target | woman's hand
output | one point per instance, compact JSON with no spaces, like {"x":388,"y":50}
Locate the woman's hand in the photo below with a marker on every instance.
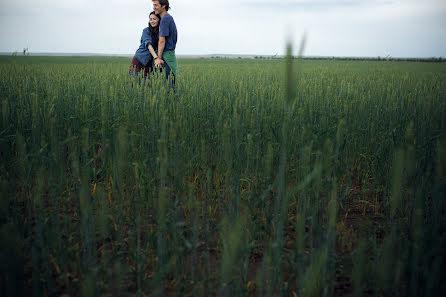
{"x":158,"y":62}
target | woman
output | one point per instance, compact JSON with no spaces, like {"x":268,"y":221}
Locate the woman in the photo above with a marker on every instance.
{"x":146,"y":53}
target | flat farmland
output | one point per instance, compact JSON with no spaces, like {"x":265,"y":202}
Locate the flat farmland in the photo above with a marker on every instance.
{"x":280,"y":177}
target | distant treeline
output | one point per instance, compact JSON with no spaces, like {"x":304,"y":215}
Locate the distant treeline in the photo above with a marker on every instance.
{"x":432,"y":59}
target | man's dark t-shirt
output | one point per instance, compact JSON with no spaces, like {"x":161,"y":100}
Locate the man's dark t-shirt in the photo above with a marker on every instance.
{"x":168,"y":29}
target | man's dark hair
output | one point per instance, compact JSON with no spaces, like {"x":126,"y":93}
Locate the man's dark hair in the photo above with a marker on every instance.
{"x":165,"y":2}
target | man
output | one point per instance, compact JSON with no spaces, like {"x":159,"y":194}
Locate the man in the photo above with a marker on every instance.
{"x":167,"y":40}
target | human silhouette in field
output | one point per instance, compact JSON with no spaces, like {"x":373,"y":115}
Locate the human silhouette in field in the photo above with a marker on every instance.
{"x":145,"y":55}
{"x":167,"y":40}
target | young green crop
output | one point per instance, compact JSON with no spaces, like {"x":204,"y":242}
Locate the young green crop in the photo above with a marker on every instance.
{"x":236,"y":184}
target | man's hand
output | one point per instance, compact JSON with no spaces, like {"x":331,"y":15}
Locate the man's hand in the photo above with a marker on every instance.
{"x":158,"y":62}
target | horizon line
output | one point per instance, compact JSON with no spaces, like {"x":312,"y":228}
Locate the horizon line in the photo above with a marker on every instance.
{"x":92,"y":54}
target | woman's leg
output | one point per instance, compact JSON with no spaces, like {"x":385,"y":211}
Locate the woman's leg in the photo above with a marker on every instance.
{"x":148,"y":69}
{"x":135,"y":67}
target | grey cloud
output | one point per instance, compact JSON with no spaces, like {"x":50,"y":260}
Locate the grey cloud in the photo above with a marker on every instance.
{"x":312,"y":4}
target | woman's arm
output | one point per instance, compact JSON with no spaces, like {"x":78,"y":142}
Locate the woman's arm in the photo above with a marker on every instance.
{"x":152,"y":51}
{"x":146,"y":39}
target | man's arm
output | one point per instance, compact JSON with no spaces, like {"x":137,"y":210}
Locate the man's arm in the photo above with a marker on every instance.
{"x":161,"y":45}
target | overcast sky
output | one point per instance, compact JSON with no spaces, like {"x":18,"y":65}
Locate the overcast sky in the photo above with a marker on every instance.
{"x":406,"y":28}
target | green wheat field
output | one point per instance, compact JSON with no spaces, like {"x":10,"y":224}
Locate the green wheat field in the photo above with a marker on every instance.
{"x":280,"y":177}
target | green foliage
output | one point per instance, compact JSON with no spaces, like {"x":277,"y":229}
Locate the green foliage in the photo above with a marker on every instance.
{"x":237,"y":183}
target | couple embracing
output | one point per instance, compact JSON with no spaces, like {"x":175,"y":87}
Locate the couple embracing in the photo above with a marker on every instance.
{"x":158,"y":42}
